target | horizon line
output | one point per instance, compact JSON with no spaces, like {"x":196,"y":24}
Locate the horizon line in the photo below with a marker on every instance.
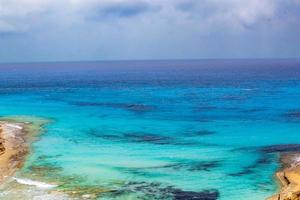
{"x":143,"y":60}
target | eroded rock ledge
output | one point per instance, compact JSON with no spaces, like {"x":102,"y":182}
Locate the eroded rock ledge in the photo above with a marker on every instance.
{"x":289,"y":178}
{"x":16,"y":134}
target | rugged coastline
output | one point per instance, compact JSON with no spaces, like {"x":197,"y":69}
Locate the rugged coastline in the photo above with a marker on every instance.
{"x":13,"y":148}
{"x":16,"y":137}
{"x":16,"y":134}
{"x":289,"y":178}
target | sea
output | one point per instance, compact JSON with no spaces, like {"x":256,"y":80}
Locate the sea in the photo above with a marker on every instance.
{"x":154,"y":130}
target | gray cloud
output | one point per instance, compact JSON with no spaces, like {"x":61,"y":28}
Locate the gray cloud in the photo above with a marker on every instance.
{"x":129,"y":29}
{"x":20,"y":15}
{"x":124,"y":9}
{"x":241,"y":15}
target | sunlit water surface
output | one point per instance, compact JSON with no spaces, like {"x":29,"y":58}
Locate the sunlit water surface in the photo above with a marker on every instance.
{"x":155,"y":130}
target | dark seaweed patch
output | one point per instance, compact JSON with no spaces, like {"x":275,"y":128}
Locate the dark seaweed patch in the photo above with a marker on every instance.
{"x":148,"y":138}
{"x":191,"y":166}
{"x":195,"y":165}
{"x":202,"y":133}
{"x":293,"y":115}
{"x":98,"y":134}
{"x":282,"y":148}
{"x":266,"y":156}
{"x":179,"y":194}
{"x":140,"y":138}
{"x":88,"y":104}
{"x":204,"y":166}
{"x":156,"y":191}
{"x":253,"y":110}
{"x":135,"y":171}
{"x":137,"y":108}
{"x":279,"y":148}
{"x":154,"y":139}
{"x":244,"y":172}
{"x":244,"y":149}
{"x":264,"y":159}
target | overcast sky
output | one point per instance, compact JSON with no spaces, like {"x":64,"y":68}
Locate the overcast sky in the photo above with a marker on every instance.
{"x":72,"y":30}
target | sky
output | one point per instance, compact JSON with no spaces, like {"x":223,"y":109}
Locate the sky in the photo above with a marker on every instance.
{"x":81,"y":30}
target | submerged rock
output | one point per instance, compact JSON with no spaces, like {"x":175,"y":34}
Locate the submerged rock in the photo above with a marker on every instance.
{"x":293,"y":115}
{"x":141,"y":137}
{"x":280,"y":148}
{"x":157,"y":191}
{"x":137,"y":108}
{"x":203,"y":165}
{"x":189,"y":195}
{"x":201,"y":133}
{"x":148,"y":138}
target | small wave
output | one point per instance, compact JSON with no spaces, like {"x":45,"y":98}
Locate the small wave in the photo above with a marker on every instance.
{"x":249,"y":89}
{"x":14,"y":126}
{"x":38,"y":184}
{"x":297,"y":159}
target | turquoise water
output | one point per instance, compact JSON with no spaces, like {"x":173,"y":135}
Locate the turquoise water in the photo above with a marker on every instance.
{"x":158,"y":130}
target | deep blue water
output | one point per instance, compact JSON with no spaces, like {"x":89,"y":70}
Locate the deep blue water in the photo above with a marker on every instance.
{"x":211,"y":129}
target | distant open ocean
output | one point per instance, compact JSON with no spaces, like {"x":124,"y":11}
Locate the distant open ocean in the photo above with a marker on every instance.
{"x":157,"y":130}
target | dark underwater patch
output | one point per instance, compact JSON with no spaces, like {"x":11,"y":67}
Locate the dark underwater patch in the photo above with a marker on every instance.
{"x":252,"y":110}
{"x":263,"y":160}
{"x":136,"y":108}
{"x":157,"y":191}
{"x":133,"y":137}
{"x":99,"y":134}
{"x":155,"y":139}
{"x":251,"y":169}
{"x":179,"y":194}
{"x":190,"y":165}
{"x":243,"y":172}
{"x":148,"y":138}
{"x":204,"y":166}
{"x":269,"y":149}
{"x":196,"y":166}
{"x":244,"y":149}
{"x":202,"y":133}
{"x":205,"y":108}
{"x":293,"y":116}
{"x":140,"y":138}
{"x":137,"y":171}
{"x":267,"y":156}
{"x":280,"y":148}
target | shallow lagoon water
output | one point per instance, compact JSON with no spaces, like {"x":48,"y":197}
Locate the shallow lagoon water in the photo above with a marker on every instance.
{"x":157,"y":129}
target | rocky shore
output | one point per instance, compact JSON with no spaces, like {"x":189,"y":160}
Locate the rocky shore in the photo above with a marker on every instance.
{"x":13,"y":148}
{"x":16,"y":134}
{"x":289,"y":178}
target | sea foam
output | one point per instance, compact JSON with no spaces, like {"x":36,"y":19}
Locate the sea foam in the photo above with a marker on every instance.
{"x":38,"y":184}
